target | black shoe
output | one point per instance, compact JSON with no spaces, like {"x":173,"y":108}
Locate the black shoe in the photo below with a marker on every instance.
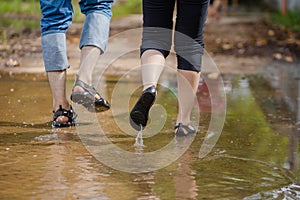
{"x":70,"y":114}
{"x":184,"y":130}
{"x":139,"y":113}
{"x":88,"y":98}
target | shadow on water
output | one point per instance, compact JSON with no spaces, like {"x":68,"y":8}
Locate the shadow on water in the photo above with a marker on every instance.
{"x":256,"y":157}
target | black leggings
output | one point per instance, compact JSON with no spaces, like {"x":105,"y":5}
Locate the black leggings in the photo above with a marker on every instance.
{"x":188,"y":36}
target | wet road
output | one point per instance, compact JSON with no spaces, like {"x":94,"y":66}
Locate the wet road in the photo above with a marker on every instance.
{"x":256,"y":157}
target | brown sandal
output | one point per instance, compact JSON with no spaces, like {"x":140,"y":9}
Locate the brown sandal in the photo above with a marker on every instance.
{"x":88,"y":98}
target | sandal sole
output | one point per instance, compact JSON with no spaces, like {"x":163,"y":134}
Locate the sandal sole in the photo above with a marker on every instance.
{"x":85,"y":101}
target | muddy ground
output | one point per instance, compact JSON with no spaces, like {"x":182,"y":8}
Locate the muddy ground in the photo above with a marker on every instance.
{"x":241,"y":43}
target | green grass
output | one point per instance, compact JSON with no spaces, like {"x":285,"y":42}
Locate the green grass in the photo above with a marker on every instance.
{"x":19,"y":15}
{"x":126,"y":8}
{"x":20,"y":6}
{"x":290,"y":21}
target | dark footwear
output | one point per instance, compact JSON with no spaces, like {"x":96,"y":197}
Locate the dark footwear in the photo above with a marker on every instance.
{"x":183,"y":130}
{"x":139,"y":113}
{"x":88,"y":98}
{"x":70,"y":114}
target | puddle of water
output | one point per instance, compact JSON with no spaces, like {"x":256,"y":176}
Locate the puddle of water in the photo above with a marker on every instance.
{"x":256,"y":157}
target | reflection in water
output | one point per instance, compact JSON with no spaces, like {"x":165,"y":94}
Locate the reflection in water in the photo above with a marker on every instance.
{"x":185,"y":183}
{"x":248,"y":162}
{"x":285,"y":81}
{"x":293,"y":156}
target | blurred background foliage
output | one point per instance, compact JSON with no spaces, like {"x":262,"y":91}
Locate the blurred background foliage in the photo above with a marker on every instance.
{"x":19,"y":16}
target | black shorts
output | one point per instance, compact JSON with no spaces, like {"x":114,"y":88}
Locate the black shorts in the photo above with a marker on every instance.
{"x":189,"y":27}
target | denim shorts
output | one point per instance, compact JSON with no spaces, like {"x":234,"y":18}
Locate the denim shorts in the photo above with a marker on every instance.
{"x":57,"y":17}
{"x":189,"y":27}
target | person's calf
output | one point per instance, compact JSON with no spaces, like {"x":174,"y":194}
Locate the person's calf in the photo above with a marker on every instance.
{"x":57,"y":81}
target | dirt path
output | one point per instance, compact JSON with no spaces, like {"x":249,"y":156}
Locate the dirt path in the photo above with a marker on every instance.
{"x":240,"y":44}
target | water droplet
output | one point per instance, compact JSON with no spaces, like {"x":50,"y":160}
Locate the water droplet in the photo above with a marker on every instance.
{"x":12,"y":89}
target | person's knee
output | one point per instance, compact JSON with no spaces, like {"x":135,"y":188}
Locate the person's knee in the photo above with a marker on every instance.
{"x":95,"y":31}
{"x":165,"y":53}
{"x":159,"y":39}
{"x":99,"y":6}
{"x":190,"y":63}
{"x":57,"y":17}
{"x":189,"y":57}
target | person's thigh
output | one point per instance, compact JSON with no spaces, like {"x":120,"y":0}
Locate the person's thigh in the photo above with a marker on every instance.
{"x":157,"y":25}
{"x":158,"y":13}
{"x":57,"y":15}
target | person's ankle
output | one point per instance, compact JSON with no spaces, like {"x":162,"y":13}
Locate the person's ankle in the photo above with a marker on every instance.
{"x":64,"y":105}
{"x":148,"y":86}
{"x":84,"y":79}
{"x":184,"y":122}
{"x":77,"y":88}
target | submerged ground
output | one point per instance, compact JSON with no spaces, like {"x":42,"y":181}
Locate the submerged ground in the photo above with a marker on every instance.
{"x":256,"y":156}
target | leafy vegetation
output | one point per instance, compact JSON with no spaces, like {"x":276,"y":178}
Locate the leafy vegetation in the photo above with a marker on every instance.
{"x":290,"y":21}
{"x":128,"y":7}
{"x":19,"y":15}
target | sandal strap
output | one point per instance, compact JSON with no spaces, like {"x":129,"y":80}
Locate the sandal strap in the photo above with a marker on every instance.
{"x":178,"y":125}
{"x":63,"y":112}
{"x":91,"y":90}
{"x":186,"y":127}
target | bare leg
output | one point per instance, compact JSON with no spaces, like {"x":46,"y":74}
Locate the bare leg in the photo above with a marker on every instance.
{"x":225,"y":5}
{"x":57,"y":81}
{"x":213,"y":9}
{"x":152,"y":65}
{"x":187,"y":87}
{"x":88,"y":61}
{"x":235,"y":4}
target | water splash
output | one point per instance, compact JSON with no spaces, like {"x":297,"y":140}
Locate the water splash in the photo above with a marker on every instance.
{"x":47,"y":138}
{"x":139,"y":143}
